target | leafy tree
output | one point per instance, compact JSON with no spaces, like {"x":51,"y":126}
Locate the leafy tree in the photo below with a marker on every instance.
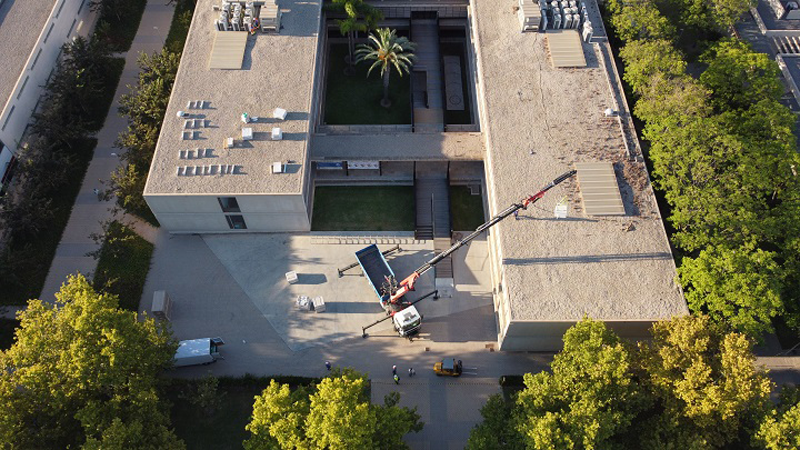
{"x":739,"y":76}
{"x":717,"y":15}
{"x":145,"y":108}
{"x":496,"y":432}
{"x":336,"y":414}
{"x":356,"y":10}
{"x":109,"y":8}
{"x":738,"y":286}
{"x":644,"y":59}
{"x":82,"y":371}
{"x":706,"y":384}
{"x":639,"y":20}
{"x":781,"y":429}
{"x":589,"y":400}
{"x":387,"y":50}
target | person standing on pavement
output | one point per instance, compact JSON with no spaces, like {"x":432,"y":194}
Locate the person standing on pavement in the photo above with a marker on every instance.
{"x":328,"y":365}
{"x":394,"y":369}
{"x":410,"y":372}
{"x":396,"y":379}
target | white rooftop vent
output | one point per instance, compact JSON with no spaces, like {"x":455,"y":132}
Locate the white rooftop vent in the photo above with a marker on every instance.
{"x":277,"y":134}
{"x":279,"y":114}
{"x":277,"y":167}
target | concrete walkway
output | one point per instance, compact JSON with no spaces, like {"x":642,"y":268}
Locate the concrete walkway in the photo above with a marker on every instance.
{"x":88,"y":213}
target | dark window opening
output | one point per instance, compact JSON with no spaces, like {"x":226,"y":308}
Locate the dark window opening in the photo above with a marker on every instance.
{"x":236,"y":222}
{"x":229,"y":204}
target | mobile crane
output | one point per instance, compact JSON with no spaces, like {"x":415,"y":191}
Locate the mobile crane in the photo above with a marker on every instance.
{"x":391,"y":293}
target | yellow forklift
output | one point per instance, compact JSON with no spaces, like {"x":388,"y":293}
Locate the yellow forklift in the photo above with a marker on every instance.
{"x":448,"y":368}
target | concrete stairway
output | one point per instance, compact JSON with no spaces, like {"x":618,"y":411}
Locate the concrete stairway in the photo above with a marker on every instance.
{"x":432,"y":193}
{"x":428,"y":107}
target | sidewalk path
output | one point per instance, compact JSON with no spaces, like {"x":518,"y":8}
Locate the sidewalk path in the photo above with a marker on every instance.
{"x":88,"y":213}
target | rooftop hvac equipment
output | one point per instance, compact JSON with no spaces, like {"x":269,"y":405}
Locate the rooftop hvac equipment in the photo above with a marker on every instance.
{"x":530,"y":15}
{"x":573,"y":4}
{"x":276,"y":134}
{"x":567,"y":20}
{"x":270,"y":17}
{"x":587,"y":31}
{"x":277,"y":167}
{"x":556,"y":18}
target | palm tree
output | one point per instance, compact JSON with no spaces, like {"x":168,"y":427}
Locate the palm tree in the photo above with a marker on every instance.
{"x":355,"y":10}
{"x":387,"y":50}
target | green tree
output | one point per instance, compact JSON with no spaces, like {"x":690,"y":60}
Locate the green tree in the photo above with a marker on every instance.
{"x":714,"y":15}
{"x":496,"y":432}
{"x":82,"y":371}
{"x":644,"y":59}
{"x":361,"y":17}
{"x":781,"y":428}
{"x":387,"y":50}
{"x":707,"y":386}
{"x":589,"y":400}
{"x":336,"y":414}
{"x":639,"y":20}
{"x":144,"y":108}
{"x":737,"y":286}
{"x":739,"y":76}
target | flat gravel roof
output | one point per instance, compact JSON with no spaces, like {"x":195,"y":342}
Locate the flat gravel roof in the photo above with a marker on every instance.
{"x":277,"y":72}
{"x":539,"y":121}
{"x":21,"y":23}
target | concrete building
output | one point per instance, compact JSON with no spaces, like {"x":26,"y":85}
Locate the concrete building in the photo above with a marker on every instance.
{"x":31,"y":36}
{"x":500,"y":110}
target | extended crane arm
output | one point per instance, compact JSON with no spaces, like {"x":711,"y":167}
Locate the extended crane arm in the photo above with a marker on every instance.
{"x":408,"y":283}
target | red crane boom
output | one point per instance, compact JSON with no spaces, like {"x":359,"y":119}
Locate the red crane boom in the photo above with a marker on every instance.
{"x":408,"y":283}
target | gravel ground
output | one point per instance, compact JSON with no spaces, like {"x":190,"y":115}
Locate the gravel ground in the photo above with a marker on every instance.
{"x":538,"y":122}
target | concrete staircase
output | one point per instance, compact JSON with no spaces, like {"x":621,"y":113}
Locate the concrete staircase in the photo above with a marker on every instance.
{"x":427,"y":74}
{"x":432,"y":192}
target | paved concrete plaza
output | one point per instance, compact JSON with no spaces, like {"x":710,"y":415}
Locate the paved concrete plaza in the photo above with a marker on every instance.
{"x":259,"y":262}
{"x":210,"y":301}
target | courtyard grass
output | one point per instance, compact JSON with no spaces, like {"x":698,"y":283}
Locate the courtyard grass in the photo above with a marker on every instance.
{"x":355,"y":99}
{"x":223,"y":428}
{"x":363,"y":208}
{"x":466,"y":209}
{"x":123,"y":265}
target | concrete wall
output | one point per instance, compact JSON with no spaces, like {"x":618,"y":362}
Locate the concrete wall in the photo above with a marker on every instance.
{"x":68,"y":18}
{"x":547,"y":336}
{"x":203,"y":213}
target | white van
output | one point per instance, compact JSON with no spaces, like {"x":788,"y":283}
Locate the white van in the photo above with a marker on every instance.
{"x":198,"y":351}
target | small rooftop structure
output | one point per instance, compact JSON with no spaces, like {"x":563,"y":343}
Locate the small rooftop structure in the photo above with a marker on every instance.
{"x":599,"y":189}
{"x":228,"y":51}
{"x":566,"y":49}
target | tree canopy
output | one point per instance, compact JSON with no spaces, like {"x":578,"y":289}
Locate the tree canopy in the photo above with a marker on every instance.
{"x":335,"y":414}
{"x":693,"y":386}
{"x":82,"y":372}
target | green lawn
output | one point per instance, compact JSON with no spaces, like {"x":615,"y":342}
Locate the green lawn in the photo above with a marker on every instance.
{"x":7,"y":327}
{"x":466,"y":209}
{"x":363,"y":208}
{"x":119,"y":32}
{"x":355,"y":99}
{"x":123,"y":265}
{"x":224,"y":428}
{"x":179,"y":29}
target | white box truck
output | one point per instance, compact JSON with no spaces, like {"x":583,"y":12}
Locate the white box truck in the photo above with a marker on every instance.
{"x":198,"y":351}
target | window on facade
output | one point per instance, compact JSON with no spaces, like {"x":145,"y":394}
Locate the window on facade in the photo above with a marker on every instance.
{"x":229,"y":204}
{"x":24,"y":83}
{"x":236,"y":222}
{"x":49,"y":30}
{"x":8,"y":117}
